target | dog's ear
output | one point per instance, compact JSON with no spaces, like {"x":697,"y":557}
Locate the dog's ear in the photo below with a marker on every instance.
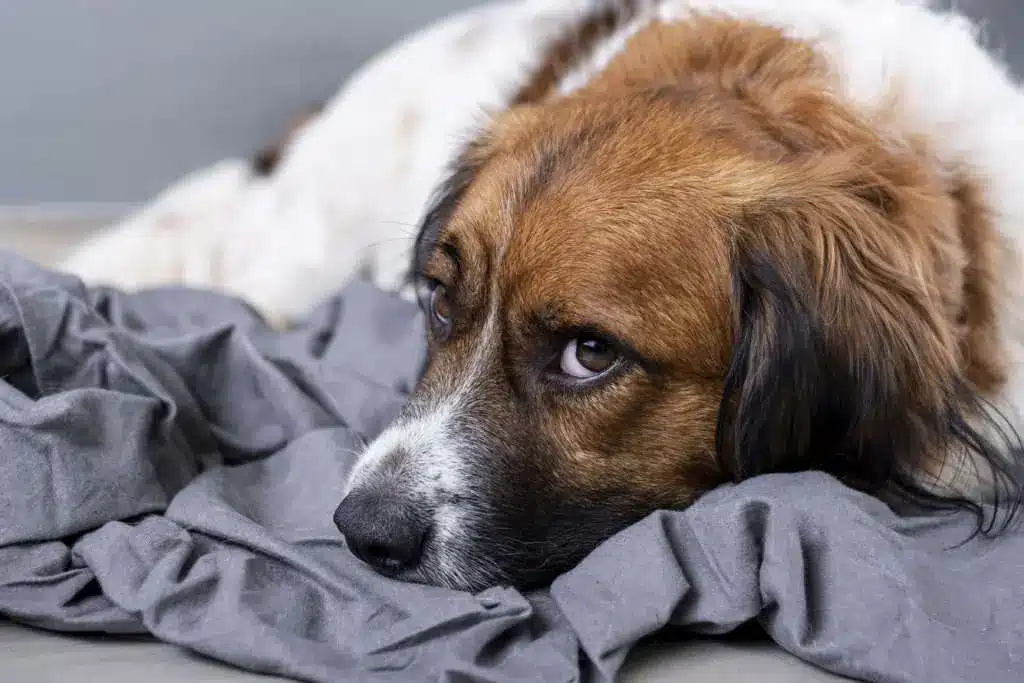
{"x":808,"y":391}
{"x":845,"y":357}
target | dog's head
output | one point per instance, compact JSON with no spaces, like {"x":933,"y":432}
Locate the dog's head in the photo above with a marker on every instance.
{"x":633,"y":297}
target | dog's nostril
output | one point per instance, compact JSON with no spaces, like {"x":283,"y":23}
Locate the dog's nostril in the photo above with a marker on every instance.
{"x":382,"y":530}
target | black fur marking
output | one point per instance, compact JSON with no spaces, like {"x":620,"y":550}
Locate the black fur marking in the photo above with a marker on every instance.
{"x":576,"y":45}
{"x":1002,"y":454}
{"x":792,"y":401}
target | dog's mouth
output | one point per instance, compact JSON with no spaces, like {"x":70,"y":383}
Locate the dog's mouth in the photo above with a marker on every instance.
{"x":469,"y":545}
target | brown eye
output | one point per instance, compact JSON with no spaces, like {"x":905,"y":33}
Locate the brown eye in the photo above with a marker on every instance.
{"x":440,"y":306}
{"x":586,"y":357}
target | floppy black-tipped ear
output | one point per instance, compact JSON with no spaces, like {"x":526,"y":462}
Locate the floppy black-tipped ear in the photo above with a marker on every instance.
{"x":801,"y":394}
{"x":791,"y":402}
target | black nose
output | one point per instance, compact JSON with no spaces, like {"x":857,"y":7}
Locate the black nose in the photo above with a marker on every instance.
{"x":382,"y":530}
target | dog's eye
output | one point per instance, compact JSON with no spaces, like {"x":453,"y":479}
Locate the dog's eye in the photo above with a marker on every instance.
{"x":586,"y":357}
{"x":440,"y":309}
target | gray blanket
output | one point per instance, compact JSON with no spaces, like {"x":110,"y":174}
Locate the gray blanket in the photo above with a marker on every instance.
{"x":168,"y":465}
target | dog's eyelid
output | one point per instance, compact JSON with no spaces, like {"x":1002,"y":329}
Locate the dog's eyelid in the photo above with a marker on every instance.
{"x":558,"y":381}
{"x":624,"y":348}
{"x":428,"y":279}
{"x":557,"y":329}
{"x":436,"y":270}
{"x":560,"y":334}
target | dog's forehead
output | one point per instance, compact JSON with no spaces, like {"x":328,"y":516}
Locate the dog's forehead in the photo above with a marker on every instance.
{"x":634,"y":270}
{"x":629,"y":176}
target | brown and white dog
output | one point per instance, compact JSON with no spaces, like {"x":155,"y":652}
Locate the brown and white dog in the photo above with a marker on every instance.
{"x":699,"y":241}
{"x":699,"y":262}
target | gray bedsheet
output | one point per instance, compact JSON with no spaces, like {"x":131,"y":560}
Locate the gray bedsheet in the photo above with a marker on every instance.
{"x":116,"y":517}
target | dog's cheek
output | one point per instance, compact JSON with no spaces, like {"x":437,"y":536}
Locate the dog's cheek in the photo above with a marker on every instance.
{"x":551,"y":486}
{"x":646,"y":447}
{"x":534,"y":518}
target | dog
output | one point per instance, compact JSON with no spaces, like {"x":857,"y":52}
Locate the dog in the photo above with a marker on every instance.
{"x":688,"y":253}
{"x":692,"y":242}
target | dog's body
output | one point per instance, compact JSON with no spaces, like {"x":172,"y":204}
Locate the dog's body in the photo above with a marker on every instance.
{"x":698,"y":240}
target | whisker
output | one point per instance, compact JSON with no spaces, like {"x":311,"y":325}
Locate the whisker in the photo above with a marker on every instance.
{"x":352,"y":451}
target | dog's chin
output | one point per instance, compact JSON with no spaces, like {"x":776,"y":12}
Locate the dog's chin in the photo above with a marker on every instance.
{"x":463,"y":579}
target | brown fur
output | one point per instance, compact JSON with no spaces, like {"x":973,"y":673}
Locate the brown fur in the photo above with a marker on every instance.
{"x":700,"y":139}
{"x":708,"y":154}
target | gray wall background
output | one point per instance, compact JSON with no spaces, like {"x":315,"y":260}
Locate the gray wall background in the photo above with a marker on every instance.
{"x":109,"y":100}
